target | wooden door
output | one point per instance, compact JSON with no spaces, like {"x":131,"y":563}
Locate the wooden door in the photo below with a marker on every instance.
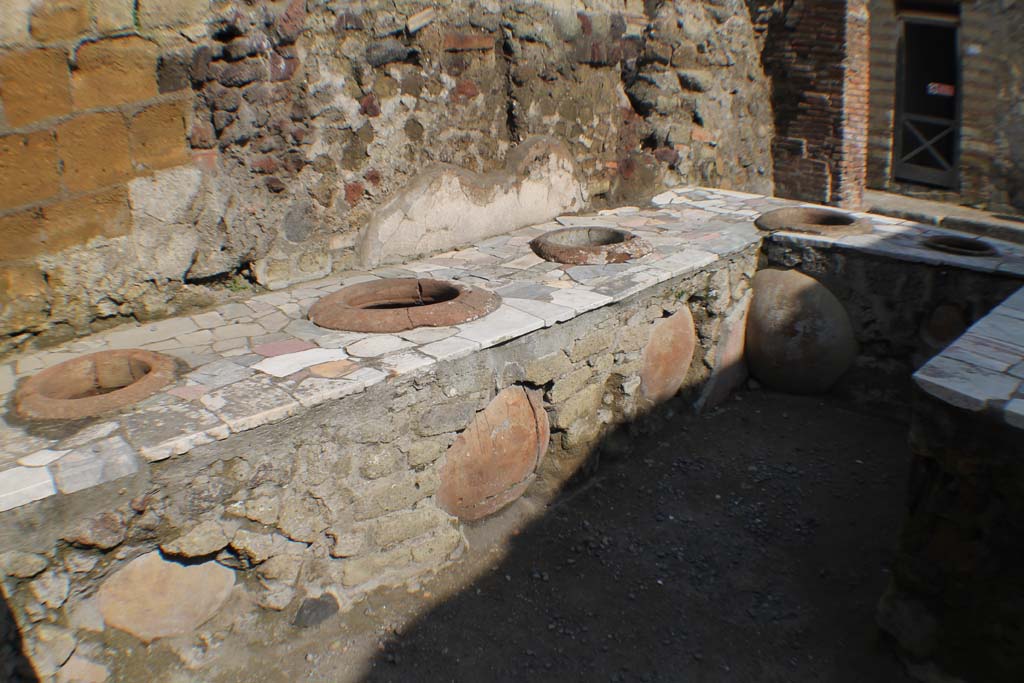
{"x":927,"y":124}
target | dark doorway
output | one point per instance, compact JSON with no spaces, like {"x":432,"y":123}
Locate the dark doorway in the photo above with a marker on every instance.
{"x":927,"y":126}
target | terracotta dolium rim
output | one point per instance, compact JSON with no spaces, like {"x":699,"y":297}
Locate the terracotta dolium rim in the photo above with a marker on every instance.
{"x":589,"y":245}
{"x":398,"y":304}
{"x":813,"y":220}
{"x":94,"y":384}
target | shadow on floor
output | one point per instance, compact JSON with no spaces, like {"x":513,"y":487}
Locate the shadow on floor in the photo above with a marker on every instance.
{"x":750,"y":544}
{"x":14,"y":668}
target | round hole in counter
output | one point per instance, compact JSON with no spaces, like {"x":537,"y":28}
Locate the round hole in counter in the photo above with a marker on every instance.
{"x":589,"y":245}
{"x":398,"y":304}
{"x":818,"y":221}
{"x":94,"y":384}
{"x":961,"y":246}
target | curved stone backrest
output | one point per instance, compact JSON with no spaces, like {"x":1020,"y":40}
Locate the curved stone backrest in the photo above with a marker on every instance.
{"x":447,"y":206}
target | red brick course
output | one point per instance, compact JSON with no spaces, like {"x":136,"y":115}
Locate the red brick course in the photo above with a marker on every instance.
{"x":819,"y":60}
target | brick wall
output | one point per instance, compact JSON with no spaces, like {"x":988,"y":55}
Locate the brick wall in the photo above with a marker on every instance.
{"x":855,"y":103}
{"x":817,"y":55}
{"x":992,"y":87}
{"x":884,"y":39}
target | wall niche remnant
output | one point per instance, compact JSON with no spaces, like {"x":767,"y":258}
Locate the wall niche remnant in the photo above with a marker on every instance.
{"x":446,"y":206}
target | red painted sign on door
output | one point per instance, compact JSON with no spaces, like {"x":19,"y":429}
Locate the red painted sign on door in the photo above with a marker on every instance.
{"x":941,"y":89}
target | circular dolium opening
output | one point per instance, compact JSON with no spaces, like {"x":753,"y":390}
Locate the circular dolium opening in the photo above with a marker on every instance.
{"x":962,"y":246}
{"x":110,"y":374}
{"x":812,"y":220}
{"x":831,"y":218}
{"x":407,"y":298}
{"x":94,"y":384}
{"x":589,"y":237}
{"x":397,"y":304}
{"x":589,"y":245}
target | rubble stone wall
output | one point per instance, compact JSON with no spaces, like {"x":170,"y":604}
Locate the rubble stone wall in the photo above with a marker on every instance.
{"x":154,"y":153}
{"x":342,"y":498}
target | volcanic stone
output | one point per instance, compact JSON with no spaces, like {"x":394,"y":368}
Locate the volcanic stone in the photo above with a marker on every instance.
{"x":386,"y":51}
{"x":152,"y":598}
{"x":22,"y":565}
{"x":204,"y":539}
{"x":315,"y":611}
{"x":81,"y":670}
{"x":52,"y":646}
{"x":51,"y":588}
{"x":104,"y":531}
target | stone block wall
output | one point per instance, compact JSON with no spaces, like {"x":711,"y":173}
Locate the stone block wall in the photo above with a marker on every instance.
{"x":153,"y":152}
{"x":991,"y":151}
{"x":953,"y":603}
{"x":85,"y":113}
{"x":817,"y":56}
